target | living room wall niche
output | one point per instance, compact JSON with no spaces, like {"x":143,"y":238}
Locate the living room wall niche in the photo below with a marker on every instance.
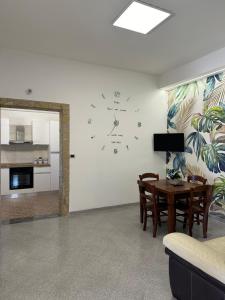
{"x":198,"y":110}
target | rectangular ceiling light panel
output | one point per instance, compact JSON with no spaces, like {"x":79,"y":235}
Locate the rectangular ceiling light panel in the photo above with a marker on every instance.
{"x":141,"y":17}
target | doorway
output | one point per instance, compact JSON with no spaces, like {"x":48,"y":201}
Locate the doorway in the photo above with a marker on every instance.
{"x":36,"y":177}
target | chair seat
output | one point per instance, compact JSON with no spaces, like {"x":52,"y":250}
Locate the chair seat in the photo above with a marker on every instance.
{"x":182,"y":204}
{"x":161,"y":197}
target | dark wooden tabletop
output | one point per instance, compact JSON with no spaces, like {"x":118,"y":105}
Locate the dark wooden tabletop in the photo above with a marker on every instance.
{"x":164,"y":186}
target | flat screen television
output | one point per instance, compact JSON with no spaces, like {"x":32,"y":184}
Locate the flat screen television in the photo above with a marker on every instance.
{"x":171,"y":142}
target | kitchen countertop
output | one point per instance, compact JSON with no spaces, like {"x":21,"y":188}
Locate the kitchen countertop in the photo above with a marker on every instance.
{"x":21,"y":165}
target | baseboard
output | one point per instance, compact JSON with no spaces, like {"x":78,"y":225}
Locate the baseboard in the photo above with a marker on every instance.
{"x":72,"y":213}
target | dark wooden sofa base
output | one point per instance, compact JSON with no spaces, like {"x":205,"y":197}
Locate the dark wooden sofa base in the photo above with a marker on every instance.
{"x":189,"y":283}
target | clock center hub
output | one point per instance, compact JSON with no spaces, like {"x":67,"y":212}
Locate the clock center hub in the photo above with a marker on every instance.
{"x":116,"y":123}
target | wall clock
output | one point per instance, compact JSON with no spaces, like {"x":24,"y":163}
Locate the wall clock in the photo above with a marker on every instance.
{"x":123,"y":122}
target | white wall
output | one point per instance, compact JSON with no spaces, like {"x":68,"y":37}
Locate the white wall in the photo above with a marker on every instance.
{"x":98,"y":178}
{"x":208,"y":64}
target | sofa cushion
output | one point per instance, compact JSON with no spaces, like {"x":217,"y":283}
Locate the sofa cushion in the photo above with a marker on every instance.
{"x":217,"y":245}
{"x":199,"y":254}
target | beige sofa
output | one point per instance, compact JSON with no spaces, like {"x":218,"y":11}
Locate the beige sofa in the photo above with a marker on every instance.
{"x":196,"y":269}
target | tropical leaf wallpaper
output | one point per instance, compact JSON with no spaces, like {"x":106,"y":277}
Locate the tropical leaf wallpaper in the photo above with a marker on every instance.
{"x":198,"y":110}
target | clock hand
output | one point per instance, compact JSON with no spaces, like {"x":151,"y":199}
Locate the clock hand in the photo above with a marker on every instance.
{"x":115,"y":123}
{"x":111,"y":130}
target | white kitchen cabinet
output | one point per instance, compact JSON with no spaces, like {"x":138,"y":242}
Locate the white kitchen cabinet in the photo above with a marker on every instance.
{"x":5,"y":182}
{"x":54,"y":161}
{"x":42,"y":179}
{"x":40,"y":132}
{"x":4,"y":131}
{"x":54,"y":136}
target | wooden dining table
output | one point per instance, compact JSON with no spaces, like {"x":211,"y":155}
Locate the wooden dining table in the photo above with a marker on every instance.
{"x":163,"y":186}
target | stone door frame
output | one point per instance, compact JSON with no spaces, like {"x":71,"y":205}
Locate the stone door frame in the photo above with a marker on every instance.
{"x":64,"y":112}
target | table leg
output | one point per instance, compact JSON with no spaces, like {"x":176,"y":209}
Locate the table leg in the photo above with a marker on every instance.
{"x":171,"y":213}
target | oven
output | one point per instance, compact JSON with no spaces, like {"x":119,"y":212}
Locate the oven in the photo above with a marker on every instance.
{"x":21,"y":178}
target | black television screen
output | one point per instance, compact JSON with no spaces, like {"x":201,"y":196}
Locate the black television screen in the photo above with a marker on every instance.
{"x":172,"y":142}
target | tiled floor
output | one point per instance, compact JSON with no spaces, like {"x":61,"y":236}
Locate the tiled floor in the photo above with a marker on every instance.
{"x":29,"y":205}
{"x":101,"y":254}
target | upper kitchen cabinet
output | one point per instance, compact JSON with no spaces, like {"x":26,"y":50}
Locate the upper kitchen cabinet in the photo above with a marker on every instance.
{"x":4,"y":131}
{"x":40,"y":129}
{"x":54,"y":136}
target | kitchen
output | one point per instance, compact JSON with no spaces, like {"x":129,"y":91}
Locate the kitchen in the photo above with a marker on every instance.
{"x":29,"y":162}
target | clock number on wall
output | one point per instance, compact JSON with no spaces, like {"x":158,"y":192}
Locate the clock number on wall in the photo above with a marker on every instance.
{"x":117,"y":94}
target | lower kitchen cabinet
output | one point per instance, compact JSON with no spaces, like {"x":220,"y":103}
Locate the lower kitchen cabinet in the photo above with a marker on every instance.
{"x":42,"y":179}
{"x":42,"y":182}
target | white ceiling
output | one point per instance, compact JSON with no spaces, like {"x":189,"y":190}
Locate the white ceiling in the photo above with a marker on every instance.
{"x":82,"y":30}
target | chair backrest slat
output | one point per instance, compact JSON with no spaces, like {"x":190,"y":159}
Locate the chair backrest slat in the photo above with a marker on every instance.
{"x":149,"y":176}
{"x":196,"y":178}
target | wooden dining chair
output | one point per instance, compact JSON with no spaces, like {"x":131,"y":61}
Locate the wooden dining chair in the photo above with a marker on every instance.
{"x":160,"y":198}
{"x":182,"y":202}
{"x":199,"y":203}
{"x":150,"y":205}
